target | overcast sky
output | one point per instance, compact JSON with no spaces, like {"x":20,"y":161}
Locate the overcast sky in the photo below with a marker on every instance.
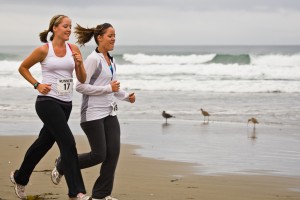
{"x":160,"y":22}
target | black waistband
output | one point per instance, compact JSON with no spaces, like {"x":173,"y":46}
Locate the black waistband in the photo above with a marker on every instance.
{"x":47,"y":98}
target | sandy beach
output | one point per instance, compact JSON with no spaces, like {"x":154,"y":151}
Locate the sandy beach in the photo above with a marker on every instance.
{"x":143,"y":178}
{"x":224,"y":159}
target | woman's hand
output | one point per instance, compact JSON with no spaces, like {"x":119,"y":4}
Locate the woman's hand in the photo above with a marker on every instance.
{"x":77,"y":58}
{"x":115,"y":86}
{"x":131,"y":98}
{"x":44,"y":88}
{"x":79,"y":67}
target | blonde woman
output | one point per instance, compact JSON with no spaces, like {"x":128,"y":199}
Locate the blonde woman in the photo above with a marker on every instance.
{"x":58,"y":60}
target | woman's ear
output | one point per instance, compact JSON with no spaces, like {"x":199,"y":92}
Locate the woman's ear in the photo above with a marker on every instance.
{"x":99,"y":38}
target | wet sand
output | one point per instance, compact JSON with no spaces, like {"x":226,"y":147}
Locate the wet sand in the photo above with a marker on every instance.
{"x":139,"y":178}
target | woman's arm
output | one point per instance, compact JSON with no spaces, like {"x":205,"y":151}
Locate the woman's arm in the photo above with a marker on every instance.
{"x":87,"y":88}
{"x":79,"y":67}
{"x":38,"y":55}
{"x":124,"y":96}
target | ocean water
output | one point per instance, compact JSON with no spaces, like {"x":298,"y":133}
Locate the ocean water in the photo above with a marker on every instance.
{"x":226,"y":69}
{"x":233,"y":83}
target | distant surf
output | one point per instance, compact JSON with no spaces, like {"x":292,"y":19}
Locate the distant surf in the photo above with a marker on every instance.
{"x":187,"y":68}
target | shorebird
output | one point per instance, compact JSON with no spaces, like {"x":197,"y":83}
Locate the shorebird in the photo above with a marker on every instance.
{"x":166,"y":115}
{"x":205,"y":114}
{"x":253,"y":120}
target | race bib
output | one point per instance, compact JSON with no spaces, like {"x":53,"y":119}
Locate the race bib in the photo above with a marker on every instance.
{"x":64,"y":86}
{"x":114,"y":109}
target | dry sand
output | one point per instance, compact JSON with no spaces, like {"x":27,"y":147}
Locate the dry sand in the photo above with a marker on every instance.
{"x":139,"y":178}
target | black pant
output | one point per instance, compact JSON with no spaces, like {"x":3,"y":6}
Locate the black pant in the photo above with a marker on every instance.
{"x":54,"y":114}
{"x":104,"y":139}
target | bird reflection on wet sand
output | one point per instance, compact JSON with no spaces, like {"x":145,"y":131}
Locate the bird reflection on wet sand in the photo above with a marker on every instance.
{"x":253,"y":136}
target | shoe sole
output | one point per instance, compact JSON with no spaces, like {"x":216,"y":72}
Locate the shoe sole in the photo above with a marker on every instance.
{"x":12,"y":179}
{"x":54,"y":182}
{"x":55,"y":164}
{"x":88,"y":198}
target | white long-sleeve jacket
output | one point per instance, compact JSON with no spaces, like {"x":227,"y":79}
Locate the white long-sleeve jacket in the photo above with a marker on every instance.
{"x":97,"y":92}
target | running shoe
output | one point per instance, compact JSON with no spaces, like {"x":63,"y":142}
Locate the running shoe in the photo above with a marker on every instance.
{"x":106,"y":198}
{"x":19,"y":189}
{"x":81,"y":196}
{"x":55,"y":176}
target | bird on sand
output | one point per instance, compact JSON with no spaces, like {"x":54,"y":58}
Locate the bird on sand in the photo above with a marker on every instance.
{"x":253,"y":120}
{"x":166,"y":116}
{"x":205,"y":114}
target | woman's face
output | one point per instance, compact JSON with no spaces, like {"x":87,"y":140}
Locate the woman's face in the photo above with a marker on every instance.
{"x":107,"y":40}
{"x":63,"y":29}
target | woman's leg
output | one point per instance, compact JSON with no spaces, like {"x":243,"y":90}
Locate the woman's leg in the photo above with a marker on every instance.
{"x":95,"y":133}
{"x":104,"y":139}
{"x":33,"y":156}
{"x":54,"y":117}
{"x":104,"y":184}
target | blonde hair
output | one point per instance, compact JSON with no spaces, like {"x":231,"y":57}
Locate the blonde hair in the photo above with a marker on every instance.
{"x":55,"y":21}
{"x":84,"y":35}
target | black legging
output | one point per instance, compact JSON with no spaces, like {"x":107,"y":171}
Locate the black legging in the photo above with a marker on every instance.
{"x":104,"y":139}
{"x":54,"y":114}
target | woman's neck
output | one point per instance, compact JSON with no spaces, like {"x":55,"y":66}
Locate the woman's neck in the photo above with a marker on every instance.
{"x":102,"y":50}
{"x":58,"y":43}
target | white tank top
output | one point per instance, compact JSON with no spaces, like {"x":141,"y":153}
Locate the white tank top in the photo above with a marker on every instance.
{"x":58,"y":71}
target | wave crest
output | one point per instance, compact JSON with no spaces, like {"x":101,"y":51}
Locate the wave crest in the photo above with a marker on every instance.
{"x":144,"y":59}
{"x":226,"y":59}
